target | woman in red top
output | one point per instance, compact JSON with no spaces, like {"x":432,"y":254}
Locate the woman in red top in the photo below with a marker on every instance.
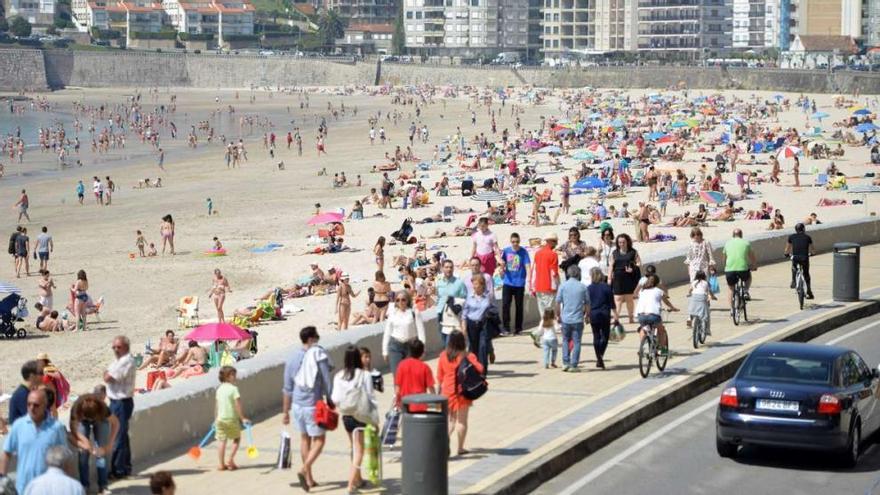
{"x":447,"y":367}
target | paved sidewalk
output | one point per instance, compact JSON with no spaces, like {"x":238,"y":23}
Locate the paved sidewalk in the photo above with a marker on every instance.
{"x":530,"y":410}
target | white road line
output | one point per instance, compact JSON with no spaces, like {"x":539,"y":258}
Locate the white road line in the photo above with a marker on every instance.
{"x":853,"y":333}
{"x":641,"y":444}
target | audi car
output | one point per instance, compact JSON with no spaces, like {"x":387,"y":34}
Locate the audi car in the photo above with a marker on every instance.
{"x":801,"y":396}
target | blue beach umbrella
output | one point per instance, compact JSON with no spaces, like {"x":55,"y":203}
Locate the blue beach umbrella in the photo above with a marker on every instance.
{"x":819,"y":115}
{"x":654,"y":136}
{"x":866,"y":127}
{"x":862,"y":111}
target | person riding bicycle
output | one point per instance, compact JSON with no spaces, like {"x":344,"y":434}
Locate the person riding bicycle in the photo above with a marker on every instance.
{"x":648,"y":308}
{"x":740,"y":261}
{"x":700,"y":294}
{"x":652,"y":270}
{"x":800,"y":247}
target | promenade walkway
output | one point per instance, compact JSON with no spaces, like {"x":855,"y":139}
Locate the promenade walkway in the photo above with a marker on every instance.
{"x":529,"y":410}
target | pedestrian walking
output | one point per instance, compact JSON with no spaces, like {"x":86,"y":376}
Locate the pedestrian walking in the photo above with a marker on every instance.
{"x":447,"y":373}
{"x":307,"y":381}
{"x":349,"y":382}
{"x":120,"y":379}
{"x":625,"y":273}
{"x":485,"y":246}
{"x":699,"y":254}
{"x":228,"y":417}
{"x":549,"y":341}
{"x":404,"y":323}
{"x":43,"y":246}
{"x":451,"y":291}
{"x":474,"y":316}
{"x":573,"y":302}
{"x":517,"y":275}
{"x":23,"y":204}
{"x":545,"y":279}
{"x":601,"y":308}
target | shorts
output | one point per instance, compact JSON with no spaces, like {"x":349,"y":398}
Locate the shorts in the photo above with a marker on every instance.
{"x":649,"y":319}
{"x":351,"y":424}
{"x":46,"y":301}
{"x":304,"y":421}
{"x":227,"y":430}
{"x":733,"y":277}
{"x":43,"y":256}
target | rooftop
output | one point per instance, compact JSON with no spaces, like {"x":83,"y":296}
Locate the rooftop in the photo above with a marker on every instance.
{"x":826,"y":43}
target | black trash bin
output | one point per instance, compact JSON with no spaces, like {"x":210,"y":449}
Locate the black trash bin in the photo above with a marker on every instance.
{"x":425,"y":445}
{"x":846,"y":272}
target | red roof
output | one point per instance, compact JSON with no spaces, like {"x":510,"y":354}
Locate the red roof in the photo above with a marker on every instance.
{"x":305,"y":8}
{"x":371,"y":28}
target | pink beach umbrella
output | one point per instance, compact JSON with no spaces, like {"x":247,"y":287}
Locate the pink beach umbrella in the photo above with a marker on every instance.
{"x":326,"y":217}
{"x":217,"y":331}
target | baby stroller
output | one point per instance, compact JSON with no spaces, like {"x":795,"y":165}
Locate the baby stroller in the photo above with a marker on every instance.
{"x":13,"y":308}
{"x":402,"y":234}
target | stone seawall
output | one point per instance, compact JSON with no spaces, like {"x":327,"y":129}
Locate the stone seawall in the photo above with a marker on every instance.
{"x":31,"y":69}
{"x":22,"y":70}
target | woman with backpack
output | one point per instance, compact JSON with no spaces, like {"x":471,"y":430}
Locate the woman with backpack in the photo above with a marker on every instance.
{"x":349,"y":385}
{"x":448,"y":370}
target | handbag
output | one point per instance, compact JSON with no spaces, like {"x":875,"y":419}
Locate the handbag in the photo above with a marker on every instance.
{"x":325,"y":417}
{"x":357,"y":404}
{"x":617,"y":333}
{"x":713,"y":284}
{"x":284,"y":452}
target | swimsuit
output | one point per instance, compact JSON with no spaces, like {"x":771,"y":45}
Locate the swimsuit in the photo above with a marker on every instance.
{"x":82,"y":295}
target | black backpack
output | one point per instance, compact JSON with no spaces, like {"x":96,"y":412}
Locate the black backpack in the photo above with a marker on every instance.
{"x":471,"y":384}
{"x":12,"y":239}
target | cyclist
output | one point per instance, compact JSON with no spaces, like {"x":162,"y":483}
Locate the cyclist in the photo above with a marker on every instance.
{"x":648,"y":308}
{"x":800,"y":247}
{"x":740,"y":260}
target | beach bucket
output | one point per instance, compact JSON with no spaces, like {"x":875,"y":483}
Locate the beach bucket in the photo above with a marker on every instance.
{"x":252,"y":452}
{"x":196,"y":452}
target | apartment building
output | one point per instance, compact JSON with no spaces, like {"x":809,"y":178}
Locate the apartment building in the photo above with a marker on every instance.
{"x":589,"y":26}
{"x":829,"y":17}
{"x":467,"y":28}
{"x":37,"y":12}
{"x":685,"y":25}
{"x":365,"y":11}
{"x":871,"y":22}
{"x":217,"y":17}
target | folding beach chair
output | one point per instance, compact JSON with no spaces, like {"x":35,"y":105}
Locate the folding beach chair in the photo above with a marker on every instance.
{"x":188,"y":312}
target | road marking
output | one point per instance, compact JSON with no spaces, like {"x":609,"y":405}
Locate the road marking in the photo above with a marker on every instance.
{"x":853,"y":333}
{"x":641,"y":444}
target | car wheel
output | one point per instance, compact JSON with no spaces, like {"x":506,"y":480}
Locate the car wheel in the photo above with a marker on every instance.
{"x":851,"y":456}
{"x":725,"y":449}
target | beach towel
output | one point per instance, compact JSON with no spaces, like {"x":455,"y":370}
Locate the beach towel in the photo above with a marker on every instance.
{"x":268,"y":248}
{"x":308,"y":370}
{"x":662,"y":237}
{"x":831,"y":202}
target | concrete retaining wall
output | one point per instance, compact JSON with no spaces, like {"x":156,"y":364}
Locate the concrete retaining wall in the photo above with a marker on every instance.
{"x":22,"y":70}
{"x":175,"y":418}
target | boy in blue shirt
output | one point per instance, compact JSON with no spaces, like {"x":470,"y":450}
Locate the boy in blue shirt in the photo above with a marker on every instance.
{"x":516,"y":263}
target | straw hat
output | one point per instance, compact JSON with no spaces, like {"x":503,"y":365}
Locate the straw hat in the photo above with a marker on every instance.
{"x":43,"y":356}
{"x":551,"y":237}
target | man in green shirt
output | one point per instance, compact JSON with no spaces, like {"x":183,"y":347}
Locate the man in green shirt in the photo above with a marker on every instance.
{"x":739,"y":260}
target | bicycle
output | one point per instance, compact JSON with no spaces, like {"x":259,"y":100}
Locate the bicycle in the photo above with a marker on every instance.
{"x":649,"y":350}
{"x":800,"y":283}
{"x":698,"y":325}
{"x":739,"y":303}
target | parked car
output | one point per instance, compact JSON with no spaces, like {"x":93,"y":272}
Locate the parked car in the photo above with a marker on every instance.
{"x":803,"y":396}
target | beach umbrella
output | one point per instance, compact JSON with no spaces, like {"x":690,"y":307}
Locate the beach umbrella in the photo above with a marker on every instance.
{"x":563,"y":132}
{"x":489,"y":196}
{"x":595,"y":116}
{"x":862,"y":111}
{"x":692,"y":122}
{"x":819,"y":115}
{"x":550,"y":149}
{"x":655,"y":136}
{"x":716,"y":197}
{"x":666,"y":139}
{"x":326,"y":217}
{"x":582,"y":155}
{"x":217,"y":331}
{"x":8,"y":288}
{"x":679,"y":124}
{"x":617,"y":123}
{"x":866,"y":127}
{"x":789,"y":151}
{"x":778,"y":97}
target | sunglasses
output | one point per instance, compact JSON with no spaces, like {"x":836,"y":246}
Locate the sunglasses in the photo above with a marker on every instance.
{"x":401,"y":299}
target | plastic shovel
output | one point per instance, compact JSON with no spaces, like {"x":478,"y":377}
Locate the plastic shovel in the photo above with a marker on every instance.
{"x":196,"y":451}
{"x":251,"y":451}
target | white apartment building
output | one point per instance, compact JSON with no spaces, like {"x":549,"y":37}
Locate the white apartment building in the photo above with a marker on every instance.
{"x":37,"y":12}
{"x":466,"y":28}
{"x":756,"y":24}
{"x":871,"y":22}
{"x":588,"y":26}
{"x":217,"y":17}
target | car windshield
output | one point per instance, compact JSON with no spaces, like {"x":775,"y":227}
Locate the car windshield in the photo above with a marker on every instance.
{"x":788,"y":369}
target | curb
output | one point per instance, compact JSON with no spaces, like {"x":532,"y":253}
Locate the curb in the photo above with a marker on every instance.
{"x":575,"y":450}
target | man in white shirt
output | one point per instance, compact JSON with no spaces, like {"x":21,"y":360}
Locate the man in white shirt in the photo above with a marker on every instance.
{"x":54,"y":481}
{"x":119,"y":377}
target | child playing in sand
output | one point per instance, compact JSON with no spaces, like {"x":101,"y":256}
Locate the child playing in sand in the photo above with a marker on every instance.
{"x":218,"y":246}
{"x":141,"y":242}
{"x":228,"y":417}
{"x":152,"y":252}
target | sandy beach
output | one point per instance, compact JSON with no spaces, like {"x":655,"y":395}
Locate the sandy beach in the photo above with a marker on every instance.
{"x":258,"y":204}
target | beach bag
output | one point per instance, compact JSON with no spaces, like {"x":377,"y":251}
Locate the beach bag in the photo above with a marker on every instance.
{"x":713,"y":284}
{"x":617,"y":333}
{"x":470,"y":383}
{"x":284,"y":452}
{"x":325,"y":417}
{"x":357,"y":404}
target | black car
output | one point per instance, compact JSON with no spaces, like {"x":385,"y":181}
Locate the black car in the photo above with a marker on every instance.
{"x":802,"y":396}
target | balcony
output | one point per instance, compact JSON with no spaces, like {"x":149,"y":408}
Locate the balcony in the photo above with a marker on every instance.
{"x":644,"y":4}
{"x":670,"y":17}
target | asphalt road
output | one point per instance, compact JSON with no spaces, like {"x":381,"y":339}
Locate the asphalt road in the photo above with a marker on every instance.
{"x":675,"y":452}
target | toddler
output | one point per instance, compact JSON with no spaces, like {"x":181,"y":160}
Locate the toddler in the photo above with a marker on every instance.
{"x":549,"y":343}
{"x":664,"y":197}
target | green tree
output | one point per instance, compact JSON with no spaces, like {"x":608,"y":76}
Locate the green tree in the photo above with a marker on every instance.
{"x":399,"y":34}
{"x":20,"y":27}
{"x":331,"y":27}
{"x":4,"y":26}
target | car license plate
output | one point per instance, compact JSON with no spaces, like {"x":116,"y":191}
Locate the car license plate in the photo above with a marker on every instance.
{"x":776,"y":405}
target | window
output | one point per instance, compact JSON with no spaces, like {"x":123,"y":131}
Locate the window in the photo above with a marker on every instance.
{"x":475,"y":3}
{"x":409,"y":15}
